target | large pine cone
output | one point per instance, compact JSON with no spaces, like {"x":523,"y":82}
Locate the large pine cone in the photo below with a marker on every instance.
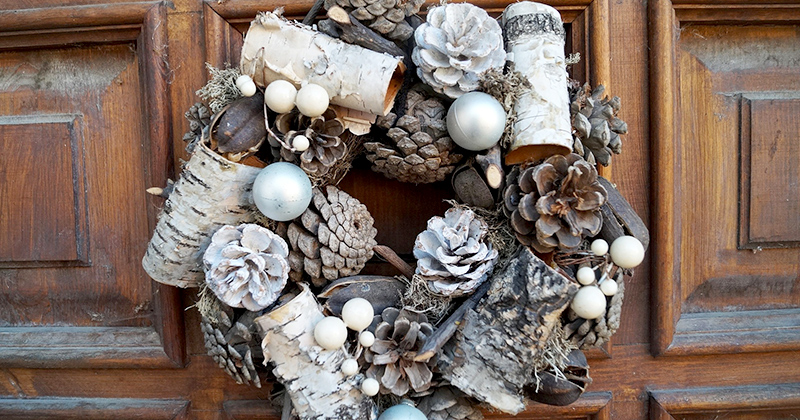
{"x":456,"y":46}
{"x":453,"y":254}
{"x":595,"y":332}
{"x":556,"y":203}
{"x":421,"y":151}
{"x":448,"y":403}
{"x":246,"y":266}
{"x":232,"y":342}
{"x":324,"y":136}
{"x":398,"y":337}
{"x":333,"y":238}
{"x":595,"y":124}
{"x":386,"y":17}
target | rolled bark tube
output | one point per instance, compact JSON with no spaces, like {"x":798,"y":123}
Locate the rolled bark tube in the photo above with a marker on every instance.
{"x":211,"y":192}
{"x":535,"y":37}
{"x":353,"y":76}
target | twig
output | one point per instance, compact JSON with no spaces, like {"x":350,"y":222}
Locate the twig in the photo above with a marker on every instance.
{"x":313,"y":12}
{"x":392,"y":258}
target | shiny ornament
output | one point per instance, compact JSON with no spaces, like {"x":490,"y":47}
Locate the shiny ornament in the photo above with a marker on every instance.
{"x":357,"y":314}
{"x":609,"y":287}
{"x":403,"y":411}
{"x":589,"y":302}
{"x":280,"y":96}
{"x":599,"y":247}
{"x":366,"y":339}
{"x":585,"y":275}
{"x":476,"y":121}
{"x":312,"y":100}
{"x":330,"y":333}
{"x":370,"y":387}
{"x":301,"y":143}
{"x":349,"y":367}
{"x":246,"y":85}
{"x":627,"y":252}
{"x":282,"y":191}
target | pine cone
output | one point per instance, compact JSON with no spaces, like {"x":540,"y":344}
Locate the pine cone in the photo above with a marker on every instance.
{"x":199,"y":118}
{"x":246,"y":266}
{"x":595,"y":124}
{"x":231,"y":341}
{"x":555,"y":204}
{"x":399,"y":335}
{"x":323,"y":133}
{"x":333,"y":238}
{"x":383,"y":16}
{"x":456,"y":46}
{"x":421,"y":151}
{"x":595,"y":332}
{"x":448,"y":403}
{"x":453,"y":254}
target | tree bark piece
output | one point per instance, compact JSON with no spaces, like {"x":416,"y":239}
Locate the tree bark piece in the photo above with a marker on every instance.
{"x":499,"y":342}
{"x":211,"y":192}
{"x":312,"y":376}
{"x":492,"y":166}
{"x":535,"y":39}
{"x":353,"y":76}
{"x":345,"y":27}
{"x":625,"y":213}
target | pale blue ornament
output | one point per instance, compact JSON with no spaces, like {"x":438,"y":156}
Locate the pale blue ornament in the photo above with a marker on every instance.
{"x":282,"y":191}
{"x":403,"y":411}
{"x":476,"y":121}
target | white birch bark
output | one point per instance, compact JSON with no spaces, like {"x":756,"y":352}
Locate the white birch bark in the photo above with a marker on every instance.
{"x":353,"y":76}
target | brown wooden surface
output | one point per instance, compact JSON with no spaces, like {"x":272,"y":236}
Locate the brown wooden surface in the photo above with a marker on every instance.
{"x":92,"y":96}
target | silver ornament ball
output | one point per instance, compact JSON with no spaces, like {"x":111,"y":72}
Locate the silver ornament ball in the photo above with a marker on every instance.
{"x":403,"y":411}
{"x":476,"y":121}
{"x":282,"y":191}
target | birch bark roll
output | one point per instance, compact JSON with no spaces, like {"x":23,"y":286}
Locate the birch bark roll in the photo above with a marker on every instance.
{"x":353,"y":76}
{"x":535,"y":40}
{"x":312,"y":376}
{"x":211,"y":192}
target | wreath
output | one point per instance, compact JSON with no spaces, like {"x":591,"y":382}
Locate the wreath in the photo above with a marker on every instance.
{"x":522,"y":273}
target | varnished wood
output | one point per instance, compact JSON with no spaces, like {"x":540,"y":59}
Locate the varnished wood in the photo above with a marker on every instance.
{"x":93,"y":408}
{"x":758,"y":401}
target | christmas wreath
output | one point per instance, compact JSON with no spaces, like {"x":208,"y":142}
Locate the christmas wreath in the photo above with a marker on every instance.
{"x":524,"y":271}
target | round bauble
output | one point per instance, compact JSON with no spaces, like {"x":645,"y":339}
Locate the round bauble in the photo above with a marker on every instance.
{"x":599,"y":247}
{"x":403,"y":411}
{"x":609,"y":287}
{"x":627,"y":252}
{"x":246,"y":85}
{"x":282,"y":191}
{"x":476,"y":121}
{"x":589,"y":302}
{"x":370,"y":387}
{"x":366,"y":339}
{"x":349,"y":367}
{"x":301,"y":143}
{"x":357,"y":314}
{"x":330,"y":333}
{"x":312,"y":100}
{"x":280,"y":96}
{"x":585,"y":275}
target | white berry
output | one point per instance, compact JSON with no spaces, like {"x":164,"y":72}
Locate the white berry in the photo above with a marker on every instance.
{"x":349,"y":367}
{"x":609,"y":287}
{"x":330,"y":333}
{"x":589,"y":302}
{"x":280,"y":96}
{"x":585,"y":275}
{"x":599,"y":247}
{"x":357,"y":314}
{"x":301,"y":143}
{"x":366,"y":339}
{"x":370,"y":387}
{"x":627,"y":252}
{"x":312,"y":100}
{"x":246,"y":85}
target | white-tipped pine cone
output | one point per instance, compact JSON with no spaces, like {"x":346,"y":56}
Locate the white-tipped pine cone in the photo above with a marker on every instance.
{"x":453,"y":254}
{"x":325,"y":145}
{"x":246,"y":266}
{"x":333,"y":238}
{"x":458,"y":43}
{"x":449,"y":403}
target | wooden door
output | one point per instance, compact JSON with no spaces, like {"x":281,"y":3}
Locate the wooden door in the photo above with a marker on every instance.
{"x":92,"y":96}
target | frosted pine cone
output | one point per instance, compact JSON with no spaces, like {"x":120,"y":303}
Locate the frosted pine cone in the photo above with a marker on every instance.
{"x":595,"y":123}
{"x":555,"y":204}
{"x":453,"y":254}
{"x":333,"y":238}
{"x":448,"y":403}
{"x":246,"y":266}
{"x":386,"y":17}
{"x":323,"y":133}
{"x":456,"y":46}
{"x":398,"y":337}
{"x":420,"y":150}
{"x":232,"y":342}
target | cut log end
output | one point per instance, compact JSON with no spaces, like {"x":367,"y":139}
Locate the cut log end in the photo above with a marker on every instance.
{"x":532,"y":153}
